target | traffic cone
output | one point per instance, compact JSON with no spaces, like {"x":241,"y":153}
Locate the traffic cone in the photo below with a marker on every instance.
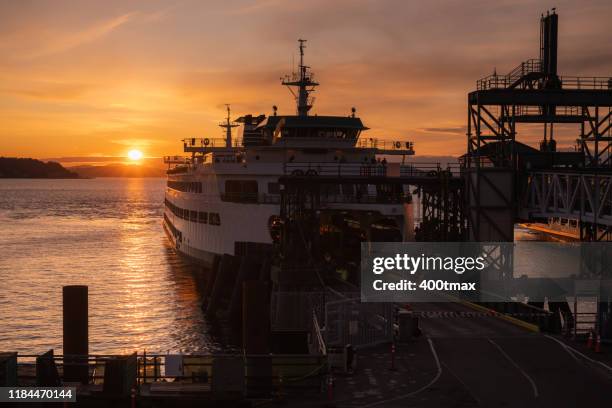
{"x":590,"y":340}
{"x":330,"y":391}
{"x":392,"y":357}
{"x":598,"y":344}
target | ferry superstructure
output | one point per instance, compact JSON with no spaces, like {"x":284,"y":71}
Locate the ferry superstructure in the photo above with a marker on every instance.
{"x":228,"y":190}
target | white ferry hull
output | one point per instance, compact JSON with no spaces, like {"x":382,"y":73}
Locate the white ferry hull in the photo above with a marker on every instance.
{"x":228,"y":191}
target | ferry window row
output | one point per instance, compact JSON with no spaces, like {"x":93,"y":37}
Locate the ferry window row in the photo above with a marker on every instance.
{"x":186,"y":186}
{"x":178,"y":235}
{"x":332,"y":133}
{"x":201,"y":217}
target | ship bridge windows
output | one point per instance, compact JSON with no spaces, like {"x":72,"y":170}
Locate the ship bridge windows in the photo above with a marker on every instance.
{"x":243,"y":191}
{"x":324,"y":133}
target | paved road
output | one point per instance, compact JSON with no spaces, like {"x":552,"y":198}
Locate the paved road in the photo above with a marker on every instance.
{"x":502,"y":365}
{"x":465,"y":359}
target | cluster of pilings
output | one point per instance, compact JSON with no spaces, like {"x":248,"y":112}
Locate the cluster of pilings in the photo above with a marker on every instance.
{"x":442,"y":216}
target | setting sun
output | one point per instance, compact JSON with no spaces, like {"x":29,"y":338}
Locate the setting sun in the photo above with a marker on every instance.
{"x":135,"y":155}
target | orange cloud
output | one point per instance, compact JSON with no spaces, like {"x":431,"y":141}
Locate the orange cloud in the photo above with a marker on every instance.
{"x":77,"y":78}
{"x":45,"y":45}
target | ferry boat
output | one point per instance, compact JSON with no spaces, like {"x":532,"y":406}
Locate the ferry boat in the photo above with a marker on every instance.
{"x":227,"y":190}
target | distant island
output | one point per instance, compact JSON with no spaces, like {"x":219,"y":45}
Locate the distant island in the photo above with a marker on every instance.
{"x":11,"y":167}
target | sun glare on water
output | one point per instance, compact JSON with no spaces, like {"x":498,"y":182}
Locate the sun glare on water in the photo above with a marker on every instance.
{"x":135,"y":155}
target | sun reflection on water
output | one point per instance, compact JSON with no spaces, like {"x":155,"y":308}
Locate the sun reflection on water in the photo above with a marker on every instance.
{"x":107,"y":234}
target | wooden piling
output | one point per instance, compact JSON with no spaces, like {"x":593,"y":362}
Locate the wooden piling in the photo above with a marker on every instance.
{"x":226,"y":274}
{"x":235,"y":307}
{"x":251,"y":256}
{"x":76,"y":333}
{"x":256,"y":334}
{"x":210,"y":281}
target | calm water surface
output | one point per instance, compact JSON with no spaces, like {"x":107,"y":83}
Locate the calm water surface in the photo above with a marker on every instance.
{"x":104,"y":233}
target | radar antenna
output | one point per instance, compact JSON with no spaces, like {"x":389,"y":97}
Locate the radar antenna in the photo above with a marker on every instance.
{"x":228,"y":125}
{"x":303,"y":80}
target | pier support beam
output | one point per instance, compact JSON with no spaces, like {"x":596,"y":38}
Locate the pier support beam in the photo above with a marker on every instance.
{"x":76,"y":333}
{"x":256,"y":333}
{"x":210,"y":281}
{"x":226,"y":276}
{"x":8,"y":369}
{"x":251,"y":255}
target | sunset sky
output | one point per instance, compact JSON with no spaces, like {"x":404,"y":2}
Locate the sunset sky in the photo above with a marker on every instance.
{"x":85,"y":78}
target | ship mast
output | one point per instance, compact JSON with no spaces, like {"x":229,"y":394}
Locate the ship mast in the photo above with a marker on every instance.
{"x":227,"y":125}
{"x":304,"y":82}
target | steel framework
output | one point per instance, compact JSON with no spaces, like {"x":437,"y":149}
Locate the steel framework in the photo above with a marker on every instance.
{"x":534,"y":93}
{"x":585,"y":197}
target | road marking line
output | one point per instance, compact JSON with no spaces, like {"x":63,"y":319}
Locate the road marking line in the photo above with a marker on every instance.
{"x":432,"y":382}
{"x":573,"y":351}
{"x":564,"y":347}
{"x":515,"y":364}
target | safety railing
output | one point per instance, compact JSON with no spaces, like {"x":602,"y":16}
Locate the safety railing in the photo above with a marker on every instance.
{"x":334,"y":169}
{"x":368,"y":169}
{"x":429,"y":170}
{"x":505,"y":81}
{"x":333,"y":318}
{"x":533,"y":66}
{"x":209,"y":142}
{"x":348,"y":321}
{"x":176,"y":160}
{"x":588,"y":83}
{"x":178,"y":169}
{"x":538,"y":110}
{"x":373,"y":143}
{"x":287,"y":369}
{"x":293,"y":310}
{"x":524,"y":68}
{"x":363,"y":198}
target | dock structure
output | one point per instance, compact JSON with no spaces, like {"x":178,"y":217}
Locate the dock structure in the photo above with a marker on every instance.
{"x":309,"y":327}
{"x":506,"y":180}
{"x":500,"y":181}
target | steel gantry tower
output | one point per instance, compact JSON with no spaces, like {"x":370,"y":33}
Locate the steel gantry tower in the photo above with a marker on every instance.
{"x":506,"y":179}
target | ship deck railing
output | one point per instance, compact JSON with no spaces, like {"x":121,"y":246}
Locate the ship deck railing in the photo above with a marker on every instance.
{"x":200,"y":143}
{"x":176,"y":160}
{"x":369,"y":169}
{"x":328,"y":197}
{"x":204,"y":144}
{"x":404,"y":147}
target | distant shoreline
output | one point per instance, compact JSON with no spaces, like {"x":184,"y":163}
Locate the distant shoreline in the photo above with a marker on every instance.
{"x":18,"y":168}
{"x":81,"y":178}
{"x":28,"y":168}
